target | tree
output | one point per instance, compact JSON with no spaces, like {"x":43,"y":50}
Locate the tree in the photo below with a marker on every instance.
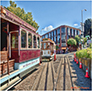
{"x":57,"y":47}
{"x":88,"y":27}
{"x":21,"y":13}
{"x":71,"y":41}
{"x":77,"y":38}
{"x":84,"y":40}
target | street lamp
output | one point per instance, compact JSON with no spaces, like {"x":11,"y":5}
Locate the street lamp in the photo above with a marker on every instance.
{"x":82,"y":24}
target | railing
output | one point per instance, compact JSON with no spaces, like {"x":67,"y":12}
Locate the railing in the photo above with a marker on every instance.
{"x":4,"y":65}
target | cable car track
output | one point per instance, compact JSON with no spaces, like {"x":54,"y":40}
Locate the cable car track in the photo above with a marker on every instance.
{"x":47,"y":78}
{"x":64,"y":76}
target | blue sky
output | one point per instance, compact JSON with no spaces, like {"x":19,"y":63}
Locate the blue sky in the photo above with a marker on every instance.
{"x":51,"y":14}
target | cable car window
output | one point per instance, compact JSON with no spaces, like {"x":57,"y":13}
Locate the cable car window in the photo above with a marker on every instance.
{"x":44,"y":45}
{"x":23,"y":39}
{"x":29,"y":40}
{"x":38,"y":42}
{"x":34,"y":41}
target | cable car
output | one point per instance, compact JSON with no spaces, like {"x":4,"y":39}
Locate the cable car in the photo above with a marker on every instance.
{"x":20,"y":49}
{"x":48,"y":50}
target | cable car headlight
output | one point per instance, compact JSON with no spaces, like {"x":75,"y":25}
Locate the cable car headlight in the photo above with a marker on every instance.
{"x":48,"y":43}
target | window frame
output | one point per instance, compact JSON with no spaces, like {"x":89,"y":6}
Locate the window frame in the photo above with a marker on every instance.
{"x":27,"y":32}
{"x":32,"y":40}
{"x":38,"y":43}
{"x":26,"y":39}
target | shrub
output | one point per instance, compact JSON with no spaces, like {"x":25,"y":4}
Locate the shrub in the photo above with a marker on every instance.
{"x":89,"y":53}
{"x":85,"y":40}
{"x":77,"y":38}
{"x":71,"y":41}
{"x":81,"y":54}
{"x":85,"y":53}
{"x":77,"y":54}
{"x":90,"y":45}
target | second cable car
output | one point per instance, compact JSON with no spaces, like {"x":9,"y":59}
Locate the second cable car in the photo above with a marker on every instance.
{"x":48,"y":50}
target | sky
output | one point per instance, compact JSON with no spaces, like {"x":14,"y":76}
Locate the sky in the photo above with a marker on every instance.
{"x":51,"y":14}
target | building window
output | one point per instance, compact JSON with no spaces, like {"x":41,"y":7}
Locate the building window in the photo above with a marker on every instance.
{"x":46,"y":36}
{"x":63,"y":30}
{"x":78,"y":32}
{"x":58,"y":38}
{"x":72,"y":32}
{"x":58,"y":31}
{"x":55,"y":39}
{"x":63,"y":41}
{"x":49,"y":35}
{"x":63,"y":38}
{"x":23,"y":39}
{"x":68,"y":31}
{"x":29,"y":40}
{"x":34,"y":41}
{"x":75,"y":32}
{"x":54,"y":32}
{"x":63,"y":44}
{"x":38,"y":42}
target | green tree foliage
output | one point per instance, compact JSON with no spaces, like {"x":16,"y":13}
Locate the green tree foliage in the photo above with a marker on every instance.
{"x":71,"y":41}
{"x":57,"y":47}
{"x":88,"y":27}
{"x":84,"y":40}
{"x":22,"y":14}
{"x":77,"y":38}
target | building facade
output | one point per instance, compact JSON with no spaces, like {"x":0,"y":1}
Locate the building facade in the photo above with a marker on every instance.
{"x":60,"y":35}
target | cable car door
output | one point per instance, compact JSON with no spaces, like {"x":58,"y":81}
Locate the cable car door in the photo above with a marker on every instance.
{"x":14,"y":44}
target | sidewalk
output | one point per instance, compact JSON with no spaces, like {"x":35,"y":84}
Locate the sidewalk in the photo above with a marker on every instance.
{"x":81,"y":82}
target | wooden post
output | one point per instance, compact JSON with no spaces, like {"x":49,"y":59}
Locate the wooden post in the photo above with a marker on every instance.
{"x":8,"y":46}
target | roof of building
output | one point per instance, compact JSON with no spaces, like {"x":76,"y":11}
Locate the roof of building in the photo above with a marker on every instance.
{"x":62,"y":26}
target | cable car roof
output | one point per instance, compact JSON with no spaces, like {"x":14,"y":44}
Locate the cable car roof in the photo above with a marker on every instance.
{"x":48,"y":39}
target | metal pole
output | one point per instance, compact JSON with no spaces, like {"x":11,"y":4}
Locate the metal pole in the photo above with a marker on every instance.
{"x":82,"y":21}
{"x":82,"y":24}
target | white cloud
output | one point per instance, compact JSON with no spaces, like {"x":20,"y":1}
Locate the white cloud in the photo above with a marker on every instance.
{"x":75,"y":24}
{"x":50,"y":27}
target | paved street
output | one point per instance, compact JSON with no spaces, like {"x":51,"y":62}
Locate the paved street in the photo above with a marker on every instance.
{"x":62,"y":74}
